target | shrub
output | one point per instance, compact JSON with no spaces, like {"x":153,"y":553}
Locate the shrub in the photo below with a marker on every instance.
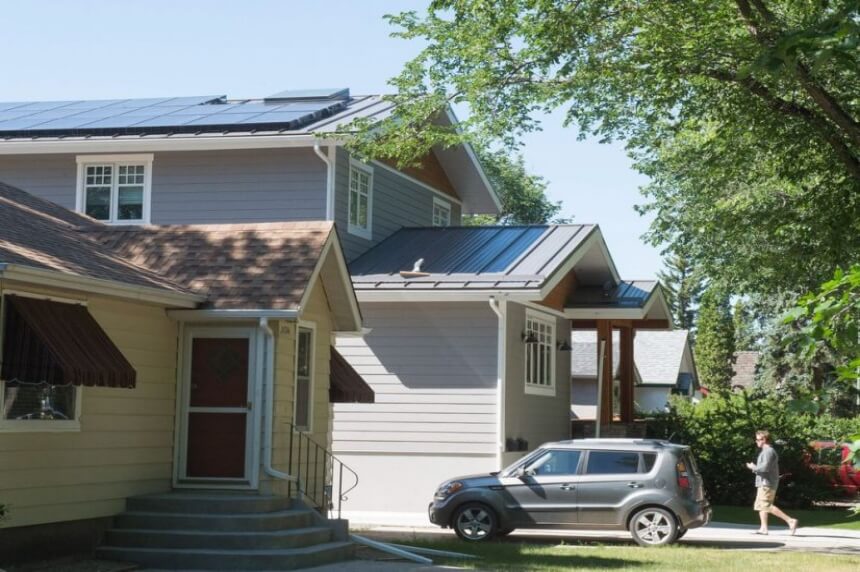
{"x":720,"y":430}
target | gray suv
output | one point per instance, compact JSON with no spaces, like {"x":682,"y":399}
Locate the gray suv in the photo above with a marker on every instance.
{"x":651,"y":488}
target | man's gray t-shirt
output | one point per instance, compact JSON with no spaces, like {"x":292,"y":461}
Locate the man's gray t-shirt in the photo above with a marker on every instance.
{"x":767,"y":468}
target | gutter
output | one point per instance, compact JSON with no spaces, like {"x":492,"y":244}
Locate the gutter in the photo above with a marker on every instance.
{"x":329,"y":160}
{"x":239,"y":314}
{"x":266,"y":353}
{"x":499,"y":310}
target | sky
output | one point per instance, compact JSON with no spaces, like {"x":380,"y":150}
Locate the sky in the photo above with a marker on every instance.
{"x":98,"y":49}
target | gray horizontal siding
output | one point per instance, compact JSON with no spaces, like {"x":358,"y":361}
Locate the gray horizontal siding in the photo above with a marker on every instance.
{"x":397,"y":202}
{"x":433,"y":369}
{"x":50,"y":177}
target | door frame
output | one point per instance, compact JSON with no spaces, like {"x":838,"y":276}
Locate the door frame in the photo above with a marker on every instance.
{"x":183,"y":393}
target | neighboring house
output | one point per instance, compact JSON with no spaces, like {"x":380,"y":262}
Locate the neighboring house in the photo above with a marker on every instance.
{"x":140,"y":360}
{"x":664,"y":366}
{"x":462,"y":354}
{"x":746,"y":363}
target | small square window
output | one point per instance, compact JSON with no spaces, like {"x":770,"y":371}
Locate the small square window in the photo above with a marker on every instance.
{"x":441,"y":213}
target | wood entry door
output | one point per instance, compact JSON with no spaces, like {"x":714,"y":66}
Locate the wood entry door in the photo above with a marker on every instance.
{"x":218,"y":408}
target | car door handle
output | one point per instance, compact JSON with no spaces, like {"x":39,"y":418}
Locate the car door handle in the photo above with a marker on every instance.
{"x":567,"y":487}
{"x":635,"y":485}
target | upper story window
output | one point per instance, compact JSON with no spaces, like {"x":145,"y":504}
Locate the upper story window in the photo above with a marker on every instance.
{"x":115,"y":188}
{"x":540,"y":353}
{"x":441,"y":212}
{"x":360,"y":199}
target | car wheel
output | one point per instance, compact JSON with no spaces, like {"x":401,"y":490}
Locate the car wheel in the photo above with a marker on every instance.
{"x":475,"y":522}
{"x":653,"y":527}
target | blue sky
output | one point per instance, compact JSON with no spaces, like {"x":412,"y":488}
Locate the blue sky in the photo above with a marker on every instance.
{"x":88,"y":49}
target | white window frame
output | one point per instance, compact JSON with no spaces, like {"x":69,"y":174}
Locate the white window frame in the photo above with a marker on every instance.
{"x":354,"y":229}
{"x":303,"y":325}
{"x":443,"y":205}
{"x":531,"y":353}
{"x":116,"y":161}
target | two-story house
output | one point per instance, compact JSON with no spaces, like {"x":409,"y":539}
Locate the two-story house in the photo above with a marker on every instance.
{"x":467,"y":330}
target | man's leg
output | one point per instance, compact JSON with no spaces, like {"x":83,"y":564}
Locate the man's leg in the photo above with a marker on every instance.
{"x":762,"y":515}
{"x":791,"y":522}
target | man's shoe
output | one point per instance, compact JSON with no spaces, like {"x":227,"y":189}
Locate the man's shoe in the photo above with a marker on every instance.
{"x":792,"y":526}
{"x":761,"y":532}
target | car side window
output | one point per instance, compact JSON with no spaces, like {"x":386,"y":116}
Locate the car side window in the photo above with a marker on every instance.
{"x":648,"y":460}
{"x":557,"y":462}
{"x":612,"y":463}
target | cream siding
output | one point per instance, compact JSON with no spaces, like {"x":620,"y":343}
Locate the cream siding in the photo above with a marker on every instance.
{"x":125,"y":443}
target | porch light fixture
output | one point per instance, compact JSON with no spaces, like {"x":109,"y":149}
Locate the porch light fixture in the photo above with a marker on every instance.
{"x":529,"y":338}
{"x":563,"y":346}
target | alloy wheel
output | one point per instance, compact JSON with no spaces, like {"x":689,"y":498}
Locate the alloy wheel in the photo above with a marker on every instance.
{"x":475,"y":523}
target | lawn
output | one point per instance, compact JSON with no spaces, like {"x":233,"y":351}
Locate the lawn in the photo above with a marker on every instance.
{"x":512,"y":555}
{"x":829,"y":518}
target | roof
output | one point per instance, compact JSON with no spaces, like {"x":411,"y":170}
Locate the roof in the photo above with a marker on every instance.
{"x":38,"y":234}
{"x":237,"y":266}
{"x":744,"y":367}
{"x":486,"y":257}
{"x":657,"y":354}
{"x":626,"y":294}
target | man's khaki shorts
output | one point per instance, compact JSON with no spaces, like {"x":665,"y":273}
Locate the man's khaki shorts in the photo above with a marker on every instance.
{"x":764,"y":499}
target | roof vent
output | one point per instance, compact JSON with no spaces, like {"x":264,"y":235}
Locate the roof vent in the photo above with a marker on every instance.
{"x":310,"y":94}
{"x":416,"y":271}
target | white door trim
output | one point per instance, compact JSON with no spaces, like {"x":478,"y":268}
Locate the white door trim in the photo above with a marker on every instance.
{"x":252,"y":433}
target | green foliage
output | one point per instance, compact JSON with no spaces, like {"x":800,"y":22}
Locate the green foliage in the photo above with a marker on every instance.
{"x":720,"y":430}
{"x":715,"y":341}
{"x":746,"y":328}
{"x":4,"y":512}
{"x":683,"y":286}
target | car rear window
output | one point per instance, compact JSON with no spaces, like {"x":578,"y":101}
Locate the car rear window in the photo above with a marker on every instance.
{"x":648,"y":460}
{"x":612,"y":463}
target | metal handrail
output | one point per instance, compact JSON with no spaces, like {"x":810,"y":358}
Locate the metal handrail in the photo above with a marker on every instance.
{"x":308,"y":476}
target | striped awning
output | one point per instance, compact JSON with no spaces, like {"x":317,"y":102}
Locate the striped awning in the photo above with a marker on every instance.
{"x":60,"y":344}
{"x":347,"y":386}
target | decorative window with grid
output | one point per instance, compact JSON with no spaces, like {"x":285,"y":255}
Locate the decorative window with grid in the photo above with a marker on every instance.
{"x":360,"y":200}
{"x":441,"y":213}
{"x":540,"y":354}
{"x":115,"y":189}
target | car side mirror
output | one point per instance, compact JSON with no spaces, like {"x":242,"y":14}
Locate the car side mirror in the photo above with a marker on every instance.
{"x":524,"y":472}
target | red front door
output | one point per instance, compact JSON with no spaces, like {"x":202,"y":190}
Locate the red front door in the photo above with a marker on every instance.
{"x":218,"y":409}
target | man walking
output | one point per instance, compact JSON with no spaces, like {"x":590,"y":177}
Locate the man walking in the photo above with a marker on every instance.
{"x":766,"y":471}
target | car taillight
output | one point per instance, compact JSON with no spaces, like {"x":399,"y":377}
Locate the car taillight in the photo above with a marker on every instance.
{"x":683,"y":477}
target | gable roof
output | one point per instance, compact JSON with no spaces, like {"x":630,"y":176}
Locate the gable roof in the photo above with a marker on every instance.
{"x":38,"y":235}
{"x":236,"y":266}
{"x":515,"y":258}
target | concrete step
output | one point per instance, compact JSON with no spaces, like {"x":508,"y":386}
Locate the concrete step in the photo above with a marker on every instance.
{"x":208,"y":503}
{"x":251,"y":522}
{"x":283,"y":559}
{"x":277,"y":539}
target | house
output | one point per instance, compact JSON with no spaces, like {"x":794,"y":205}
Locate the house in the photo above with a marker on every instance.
{"x":664,"y":366}
{"x":745,"y":366}
{"x":136,"y":361}
{"x":463,"y":327}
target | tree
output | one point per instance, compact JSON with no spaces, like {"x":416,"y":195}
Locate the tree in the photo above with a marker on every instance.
{"x":683,"y":287}
{"x":715,"y":341}
{"x":522,"y":194}
{"x":747,"y":332}
{"x":742,"y":112}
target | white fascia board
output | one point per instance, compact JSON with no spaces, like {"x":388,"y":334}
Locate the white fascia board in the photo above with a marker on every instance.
{"x":155,"y":143}
{"x":445,"y":295}
{"x":580,"y":251}
{"x":238,"y":314}
{"x":332,"y":247}
{"x":57,"y":279}
{"x":604,"y":314}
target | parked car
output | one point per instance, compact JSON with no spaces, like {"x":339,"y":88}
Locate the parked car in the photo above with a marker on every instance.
{"x":832,"y":460}
{"x":651,"y":488}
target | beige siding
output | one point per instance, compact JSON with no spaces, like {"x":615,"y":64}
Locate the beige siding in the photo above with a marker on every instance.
{"x":125,"y":443}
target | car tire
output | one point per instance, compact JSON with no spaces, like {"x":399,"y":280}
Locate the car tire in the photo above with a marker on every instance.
{"x":653,"y":526}
{"x":475,"y":522}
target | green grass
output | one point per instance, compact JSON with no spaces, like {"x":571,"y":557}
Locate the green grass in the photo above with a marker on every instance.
{"x":824,"y":517}
{"x":513,"y":554}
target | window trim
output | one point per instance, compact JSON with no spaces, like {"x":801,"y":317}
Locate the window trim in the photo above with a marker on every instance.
{"x":366,"y":233}
{"x":303,"y":325}
{"x":144,"y":159}
{"x":534,"y":388}
{"x":437,"y":202}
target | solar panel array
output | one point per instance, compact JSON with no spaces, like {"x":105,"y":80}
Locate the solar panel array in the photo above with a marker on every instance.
{"x":161,"y":115}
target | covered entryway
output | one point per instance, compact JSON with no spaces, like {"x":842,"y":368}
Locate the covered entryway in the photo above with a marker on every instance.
{"x":218,"y":416}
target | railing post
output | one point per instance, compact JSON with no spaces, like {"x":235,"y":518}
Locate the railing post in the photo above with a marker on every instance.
{"x":340,"y":490}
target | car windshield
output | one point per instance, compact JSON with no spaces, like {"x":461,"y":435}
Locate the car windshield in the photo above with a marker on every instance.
{"x":522,"y":462}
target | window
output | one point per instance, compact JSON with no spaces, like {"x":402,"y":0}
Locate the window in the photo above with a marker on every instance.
{"x":304,"y":379}
{"x":540,"y":354}
{"x":557,"y":462}
{"x":360,"y":199}
{"x":115,"y":188}
{"x":612,"y":463}
{"x":441,"y":213}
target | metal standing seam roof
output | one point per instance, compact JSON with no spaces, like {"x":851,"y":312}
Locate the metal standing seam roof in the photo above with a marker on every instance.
{"x":509,"y":257}
{"x":627,"y":294}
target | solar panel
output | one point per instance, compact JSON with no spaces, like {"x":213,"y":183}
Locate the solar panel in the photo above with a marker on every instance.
{"x":319,"y":93}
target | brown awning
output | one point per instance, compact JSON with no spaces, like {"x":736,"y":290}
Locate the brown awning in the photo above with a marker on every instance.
{"x":60,"y":344}
{"x":347,"y":386}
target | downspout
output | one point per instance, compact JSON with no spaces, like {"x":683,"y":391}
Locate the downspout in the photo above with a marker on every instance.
{"x":496,"y":307}
{"x":266,"y":354}
{"x":328,"y":159}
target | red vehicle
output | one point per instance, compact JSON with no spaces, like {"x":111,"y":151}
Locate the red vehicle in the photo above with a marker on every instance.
{"x":831,"y":459}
